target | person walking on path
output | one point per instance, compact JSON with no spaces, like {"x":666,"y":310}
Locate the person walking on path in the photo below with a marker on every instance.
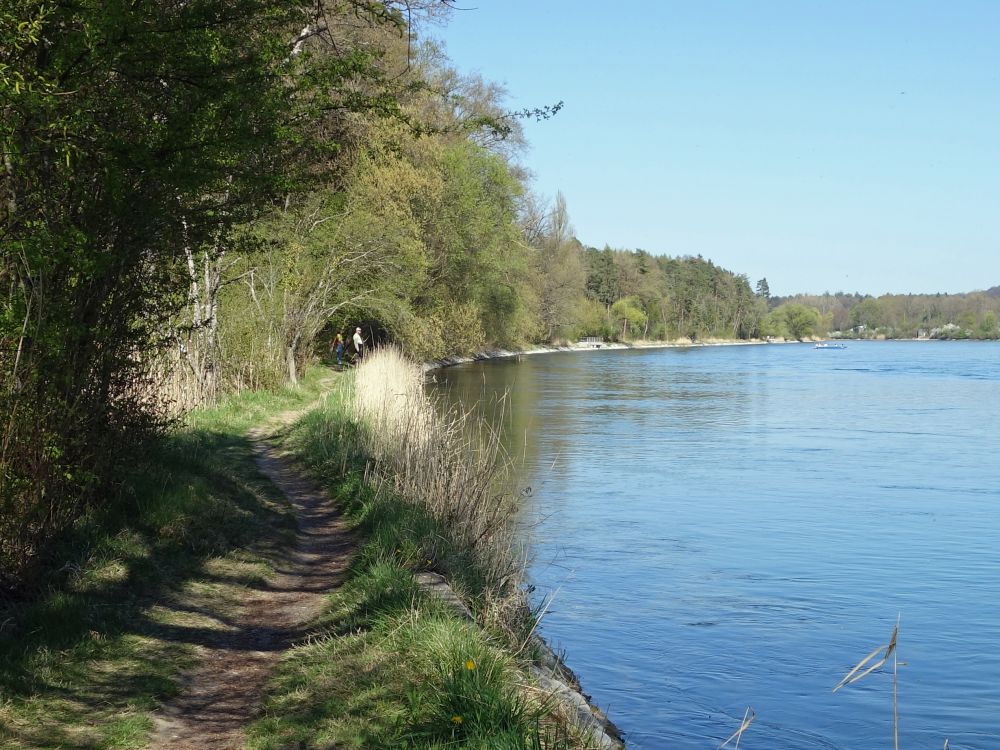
{"x":359,"y":344}
{"x":338,"y":348}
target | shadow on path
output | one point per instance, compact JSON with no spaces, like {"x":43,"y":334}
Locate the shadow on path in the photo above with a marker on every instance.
{"x":220,"y":696}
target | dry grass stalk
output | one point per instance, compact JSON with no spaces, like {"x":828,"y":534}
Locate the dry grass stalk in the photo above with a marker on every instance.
{"x":748,"y":717}
{"x":865,"y":667}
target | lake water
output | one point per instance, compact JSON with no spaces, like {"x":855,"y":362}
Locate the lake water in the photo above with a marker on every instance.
{"x":724,"y":527}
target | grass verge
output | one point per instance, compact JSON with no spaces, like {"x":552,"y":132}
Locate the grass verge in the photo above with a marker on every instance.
{"x":159,"y":569}
{"x":389,"y":665}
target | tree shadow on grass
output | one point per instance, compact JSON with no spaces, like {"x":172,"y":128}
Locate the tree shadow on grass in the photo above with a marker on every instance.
{"x":82,"y":655}
{"x":344,"y":692}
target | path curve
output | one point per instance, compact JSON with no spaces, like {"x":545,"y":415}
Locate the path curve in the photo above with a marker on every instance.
{"x":223,"y":694}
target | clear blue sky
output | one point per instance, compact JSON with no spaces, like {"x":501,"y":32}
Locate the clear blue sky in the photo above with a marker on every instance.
{"x":847,"y":146}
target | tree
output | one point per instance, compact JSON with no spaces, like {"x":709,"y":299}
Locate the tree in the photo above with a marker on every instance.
{"x":629,"y":316}
{"x":474,"y":254}
{"x":560,"y":274}
{"x":868,"y":313}
{"x":988,"y":325}
{"x":135,"y":137}
{"x":793,"y":320}
{"x":130,"y":131}
{"x":603,"y":276}
{"x":763,"y":290}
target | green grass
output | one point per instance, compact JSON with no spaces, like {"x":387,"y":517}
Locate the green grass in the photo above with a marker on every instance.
{"x":84,"y":662}
{"x":326,"y":443}
{"x":389,"y":667}
{"x":386,"y":665}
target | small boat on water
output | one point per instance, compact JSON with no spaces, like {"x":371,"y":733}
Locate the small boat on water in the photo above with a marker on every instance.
{"x":829,"y":345}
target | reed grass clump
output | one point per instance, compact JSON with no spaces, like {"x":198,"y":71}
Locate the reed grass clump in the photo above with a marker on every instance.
{"x":452,"y":467}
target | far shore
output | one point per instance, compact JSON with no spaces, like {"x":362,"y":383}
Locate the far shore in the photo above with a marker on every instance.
{"x":488,"y":354}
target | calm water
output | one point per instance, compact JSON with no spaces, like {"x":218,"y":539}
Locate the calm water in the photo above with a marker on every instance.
{"x":732,"y":526}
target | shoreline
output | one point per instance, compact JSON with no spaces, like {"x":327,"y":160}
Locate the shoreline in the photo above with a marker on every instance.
{"x":551,"y":671}
{"x":489,"y":354}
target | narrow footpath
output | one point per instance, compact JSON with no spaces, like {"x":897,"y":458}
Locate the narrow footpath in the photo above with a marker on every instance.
{"x":223,"y":693}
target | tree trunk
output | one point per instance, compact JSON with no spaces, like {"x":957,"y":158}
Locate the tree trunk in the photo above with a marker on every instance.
{"x":11,"y":198}
{"x":201,"y":347}
{"x":293,"y":375}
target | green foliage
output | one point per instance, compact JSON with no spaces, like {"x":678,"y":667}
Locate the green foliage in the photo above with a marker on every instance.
{"x":135,"y":139}
{"x":418,"y":240}
{"x":793,"y":321}
{"x":988,"y":325}
{"x":867,"y":313}
{"x":560,"y":276}
{"x":474,"y":251}
{"x":592,"y":320}
{"x":669,"y":298}
{"x":463,"y":328}
{"x":907,"y":315}
{"x":763,"y":289}
{"x":449,"y":330}
{"x":115,"y":119}
{"x":628,"y":314}
{"x":603,"y":276}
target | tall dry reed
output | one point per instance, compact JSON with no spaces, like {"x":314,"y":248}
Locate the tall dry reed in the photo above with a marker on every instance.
{"x":867,"y":665}
{"x":449,"y":463}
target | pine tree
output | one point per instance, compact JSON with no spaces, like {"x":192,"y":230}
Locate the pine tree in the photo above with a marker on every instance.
{"x":763,"y":291}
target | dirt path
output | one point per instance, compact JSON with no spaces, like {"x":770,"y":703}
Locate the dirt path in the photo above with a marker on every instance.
{"x":223,"y":693}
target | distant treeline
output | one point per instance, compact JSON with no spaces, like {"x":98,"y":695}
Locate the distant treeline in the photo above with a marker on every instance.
{"x":943,"y":316}
{"x":635,"y":295}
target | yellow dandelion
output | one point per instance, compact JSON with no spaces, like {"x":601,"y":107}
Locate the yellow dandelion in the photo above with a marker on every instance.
{"x":456,"y":720}
{"x":470,"y":665}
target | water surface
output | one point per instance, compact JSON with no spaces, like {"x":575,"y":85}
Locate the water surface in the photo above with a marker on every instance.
{"x":721,"y":527}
